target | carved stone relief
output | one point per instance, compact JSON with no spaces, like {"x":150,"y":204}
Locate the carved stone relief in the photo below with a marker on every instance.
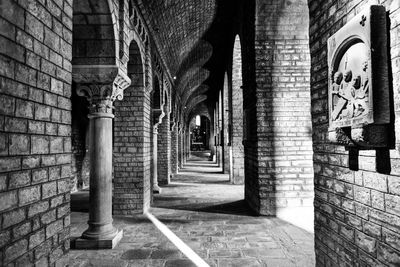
{"x":358,"y":86}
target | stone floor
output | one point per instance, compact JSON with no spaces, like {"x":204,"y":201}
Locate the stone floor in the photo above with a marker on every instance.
{"x":210,"y":216}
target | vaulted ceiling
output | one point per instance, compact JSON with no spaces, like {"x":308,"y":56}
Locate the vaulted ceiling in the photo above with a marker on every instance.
{"x":192,"y":37}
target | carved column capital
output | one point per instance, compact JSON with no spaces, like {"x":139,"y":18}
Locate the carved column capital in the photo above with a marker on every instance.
{"x":101,"y":85}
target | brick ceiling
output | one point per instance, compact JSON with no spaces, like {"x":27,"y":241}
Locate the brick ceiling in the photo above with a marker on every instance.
{"x":188,"y":34}
{"x":178,"y":26}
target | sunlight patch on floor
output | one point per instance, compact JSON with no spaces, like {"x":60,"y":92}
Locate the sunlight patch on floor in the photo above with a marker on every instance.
{"x":185,"y":249}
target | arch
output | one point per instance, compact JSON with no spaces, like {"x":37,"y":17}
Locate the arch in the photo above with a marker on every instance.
{"x":94,"y":20}
{"x":94,"y":43}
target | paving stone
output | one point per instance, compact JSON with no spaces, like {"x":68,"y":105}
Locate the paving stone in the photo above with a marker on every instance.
{"x":136,"y":254}
{"x":179,"y":263}
{"x":166,"y":254}
{"x":208,"y":214}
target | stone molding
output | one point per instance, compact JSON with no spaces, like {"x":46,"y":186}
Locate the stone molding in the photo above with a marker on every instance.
{"x":158,"y":115}
{"x":101,"y":85}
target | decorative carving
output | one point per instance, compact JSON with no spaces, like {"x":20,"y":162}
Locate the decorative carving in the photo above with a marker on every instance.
{"x":358,"y":92}
{"x":101,"y":85}
{"x":350,"y":94}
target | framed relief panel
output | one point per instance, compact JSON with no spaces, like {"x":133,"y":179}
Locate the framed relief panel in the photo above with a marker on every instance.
{"x":358,"y":85}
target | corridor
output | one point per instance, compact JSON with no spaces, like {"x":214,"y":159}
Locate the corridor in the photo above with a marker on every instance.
{"x":208,"y":214}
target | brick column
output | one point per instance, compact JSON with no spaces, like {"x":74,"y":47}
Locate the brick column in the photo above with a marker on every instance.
{"x":174,"y":150}
{"x":225,"y":128}
{"x":236,"y":116}
{"x":164,"y":148}
{"x":101,"y":90}
{"x":277,"y":110}
{"x":158,"y":115}
{"x":212,"y":139}
{"x":180,"y":149}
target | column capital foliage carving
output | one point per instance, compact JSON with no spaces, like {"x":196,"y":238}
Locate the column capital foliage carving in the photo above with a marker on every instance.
{"x":101,"y":85}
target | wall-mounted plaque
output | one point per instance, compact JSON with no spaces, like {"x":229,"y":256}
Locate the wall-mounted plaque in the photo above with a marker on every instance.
{"x":358,"y":91}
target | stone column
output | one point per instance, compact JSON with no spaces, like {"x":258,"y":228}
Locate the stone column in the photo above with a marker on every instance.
{"x":101,"y":86}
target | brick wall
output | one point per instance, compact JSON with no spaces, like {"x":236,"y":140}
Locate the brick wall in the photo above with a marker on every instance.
{"x":164,"y":147}
{"x":35,"y":129}
{"x":279,"y":166}
{"x":357,"y":215}
{"x":132,"y":142}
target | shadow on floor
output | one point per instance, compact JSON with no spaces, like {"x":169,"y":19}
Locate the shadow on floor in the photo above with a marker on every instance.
{"x":233,"y":208}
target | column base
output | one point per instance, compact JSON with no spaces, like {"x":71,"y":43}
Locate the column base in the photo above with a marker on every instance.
{"x":81,"y":243}
{"x":156,"y":189}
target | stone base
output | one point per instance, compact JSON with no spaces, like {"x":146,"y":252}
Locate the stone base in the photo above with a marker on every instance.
{"x":81,"y":243}
{"x":156,"y":189}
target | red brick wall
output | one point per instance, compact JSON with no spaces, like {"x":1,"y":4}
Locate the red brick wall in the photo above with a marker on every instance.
{"x":35,"y":129}
{"x":357,"y":215}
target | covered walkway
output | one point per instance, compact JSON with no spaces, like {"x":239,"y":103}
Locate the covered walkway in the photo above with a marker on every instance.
{"x":210,"y":216}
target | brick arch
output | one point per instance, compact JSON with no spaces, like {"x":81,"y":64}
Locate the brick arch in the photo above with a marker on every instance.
{"x":95,"y":33}
{"x":132,"y":128}
{"x":94,"y":42}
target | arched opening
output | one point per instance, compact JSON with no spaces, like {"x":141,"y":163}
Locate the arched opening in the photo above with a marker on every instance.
{"x":157,"y":116}
{"x":87,"y":53}
{"x":199,"y":133}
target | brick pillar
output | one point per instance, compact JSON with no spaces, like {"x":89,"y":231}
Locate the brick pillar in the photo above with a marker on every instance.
{"x":211,"y":141}
{"x":174,"y":150}
{"x":164,"y":148}
{"x":279,"y":120}
{"x":180,"y":149}
{"x":101,"y":233}
{"x":132,"y":143}
{"x":225,"y":127}
{"x":236,"y":119}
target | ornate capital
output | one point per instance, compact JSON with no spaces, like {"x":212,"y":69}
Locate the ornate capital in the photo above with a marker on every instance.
{"x":101,"y":85}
